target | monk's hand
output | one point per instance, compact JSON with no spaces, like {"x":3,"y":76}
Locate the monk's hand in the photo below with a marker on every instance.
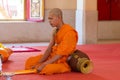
{"x":41,"y":67}
{"x":54,"y":31}
{"x":35,"y":66}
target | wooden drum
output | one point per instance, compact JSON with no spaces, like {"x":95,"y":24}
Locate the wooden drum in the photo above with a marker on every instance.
{"x":80,"y":62}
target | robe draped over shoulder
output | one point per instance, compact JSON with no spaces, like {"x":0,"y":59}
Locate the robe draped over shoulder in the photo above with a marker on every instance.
{"x":65,"y":41}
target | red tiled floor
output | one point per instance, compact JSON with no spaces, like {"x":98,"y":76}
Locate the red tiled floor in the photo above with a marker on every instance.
{"x":106,"y":59}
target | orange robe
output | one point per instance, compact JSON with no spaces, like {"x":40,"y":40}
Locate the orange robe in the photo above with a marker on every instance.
{"x":65,"y":43}
{"x":5,"y":53}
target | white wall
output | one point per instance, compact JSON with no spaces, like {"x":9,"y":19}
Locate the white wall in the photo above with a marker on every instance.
{"x":104,"y":30}
{"x":79,"y":21}
{"x":86,"y":21}
{"x":109,"y":30}
{"x":37,"y":32}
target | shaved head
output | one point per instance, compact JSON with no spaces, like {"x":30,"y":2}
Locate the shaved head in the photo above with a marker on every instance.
{"x":55,"y":17}
{"x":56,"y":12}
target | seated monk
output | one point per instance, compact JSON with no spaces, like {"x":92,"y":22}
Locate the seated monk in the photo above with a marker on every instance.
{"x":63,"y":42}
{"x":5,"y":52}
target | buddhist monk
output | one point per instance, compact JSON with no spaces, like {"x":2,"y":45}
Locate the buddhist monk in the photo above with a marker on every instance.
{"x":62,"y":44}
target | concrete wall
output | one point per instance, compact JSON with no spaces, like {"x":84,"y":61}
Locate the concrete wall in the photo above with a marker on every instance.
{"x":86,"y":21}
{"x":94,"y":30}
{"x":90,"y":21}
{"x":98,"y":30}
{"x":37,"y":32}
{"x":109,"y":30}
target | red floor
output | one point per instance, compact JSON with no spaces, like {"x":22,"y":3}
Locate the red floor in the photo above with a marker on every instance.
{"x":106,"y":59}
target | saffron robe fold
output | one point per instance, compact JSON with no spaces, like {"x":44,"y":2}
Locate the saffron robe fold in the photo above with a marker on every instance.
{"x":65,"y":43}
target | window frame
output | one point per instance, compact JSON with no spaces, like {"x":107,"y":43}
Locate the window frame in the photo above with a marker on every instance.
{"x":26,"y":14}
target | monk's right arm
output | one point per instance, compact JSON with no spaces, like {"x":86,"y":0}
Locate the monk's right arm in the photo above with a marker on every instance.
{"x":48,"y":50}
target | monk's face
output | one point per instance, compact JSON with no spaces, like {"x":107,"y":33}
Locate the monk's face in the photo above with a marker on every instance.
{"x":53,"y":20}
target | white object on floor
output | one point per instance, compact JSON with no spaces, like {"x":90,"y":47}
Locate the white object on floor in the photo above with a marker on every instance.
{"x":26,"y":44}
